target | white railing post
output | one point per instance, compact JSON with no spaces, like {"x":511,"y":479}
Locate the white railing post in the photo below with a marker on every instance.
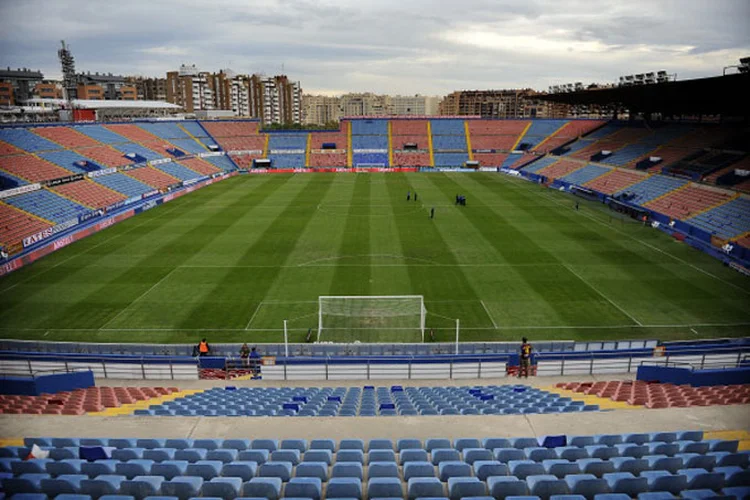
{"x":457,"y":329}
{"x":286,"y":341}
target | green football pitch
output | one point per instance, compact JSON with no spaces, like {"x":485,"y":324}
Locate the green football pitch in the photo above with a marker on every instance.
{"x":232,"y":261}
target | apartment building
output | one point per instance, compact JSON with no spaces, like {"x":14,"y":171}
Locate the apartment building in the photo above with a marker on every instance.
{"x":320,"y":109}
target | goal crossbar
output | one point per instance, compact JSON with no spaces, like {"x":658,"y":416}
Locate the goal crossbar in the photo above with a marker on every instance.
{"x":371,"y":312}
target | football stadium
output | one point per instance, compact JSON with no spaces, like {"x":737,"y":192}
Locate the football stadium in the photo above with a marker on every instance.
{"x":445,"y":306}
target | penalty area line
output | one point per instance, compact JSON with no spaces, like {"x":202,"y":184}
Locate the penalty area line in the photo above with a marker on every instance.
{"x":488,"y":314}
{"x":247,"y":327}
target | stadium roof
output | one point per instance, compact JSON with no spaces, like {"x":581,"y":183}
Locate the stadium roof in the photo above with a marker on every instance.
{"x":104,"y":104}
{"x":725,"y":95}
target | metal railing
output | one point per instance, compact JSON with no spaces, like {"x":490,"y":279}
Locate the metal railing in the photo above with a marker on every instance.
{"x":142,"y":368}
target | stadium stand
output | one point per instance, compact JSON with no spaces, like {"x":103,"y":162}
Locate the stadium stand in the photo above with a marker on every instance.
{"x":200,"y":165}
{"x":165,"y":130}
{"x":384,"y":401}
{"x":89,"y":193}
{"x":369,"y":142}
{"x":538,"y":131}
{"x":26,"y":140}
{"x":79,"y":401}
{"x":448,"y":127}
{"x":222,"y":129}
{"x":8,"y":181}
{"x":190,"y":146}
{"x":572,"y":130}
{"x":643,"y":144}
{"x":101,"y":134}
{"x":16,"y":224}
{"x":323,"y":468}
{"x":685,"y":203}
{"x":584,"y":175}
{"x":31,"y":168}
{"x":560,"y":168}
{"x":153,"y":177}
{"x":320,"y":157}
{"x":615,"y":180}
{"x":540,"y":164}
{"x":651,"y":188}
{"x":106,"y":156}
{"x":47,"y":205}
{"x":124,"y":184}
{"x":221,"y":162}
{"x":450,"y":159}
{"x":662,"y":395}
{"x":178,"y":171}
{"x":133,"y":132}
{"x":131,"y":148}
{"x":499,"y":135}
{"x":69,"y":160}
{"x":446,"y":143}
{"x":490,"y":159}
{"x":727,"y":221}
{"x":67,"y":137}
{"x":9,"y":149}
{"x":287,"y":150}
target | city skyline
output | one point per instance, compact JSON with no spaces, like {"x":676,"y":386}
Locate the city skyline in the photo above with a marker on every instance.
{"x":386,"y":47}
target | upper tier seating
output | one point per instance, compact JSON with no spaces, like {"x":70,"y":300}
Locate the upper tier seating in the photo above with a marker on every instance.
{"x":399,"y":141}
{"x":9,"y":149}
{"x":450,"y":159}
{"x":101,"y":134}
{"x":686,"y":203}
{"x":287,"y":142}
{"x":220,"y":162}
{"x":15,"y":225}
{"x":67,"y":137}
{"x":449,"y":143}
{"x":153,"y":177}
{"x":123,"y":184}
{"x":178,"y":171}
{"x":343,"y":401}
{"x":106,"y":156}
{"x":189,"y":146}
{"x":538,"y":132}
{"x":165,"y":130}
{"x":626,"y":465}
{"x":572,"y":130}
{"x":584,"y":175}
{"x":615,"y":181}
{"x":560,"y":168}
{"x":370,"y":159}
{"x":409,"y":127}
{"x":653,"y":187}
{"x":89,"y":193}
{"x":221,"y":129}
{"x":201,"y":166}
{"x":370,"y":142}
{"x":30,"y":168}
{"x":369,"y":127}
{"x":497,"y":142}
{"x":47,"y":205}
{"x":249,"y":143}
{"x":590,"y":139}
{"x":133,"y":132}
{"x":69,"y":160}
{"x":540,"y":164}
{"x":194,"y":129}
{"x":448,"y":126}
{"x":318,"y":139}
{"x":703,"y":163}
{"x":726,"y":221}
{"x":26,"y":140}
{"x":646,"y":143}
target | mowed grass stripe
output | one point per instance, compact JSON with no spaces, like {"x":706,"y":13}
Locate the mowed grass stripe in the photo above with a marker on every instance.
{"x":644,"y":282}
{"x":419,"y":237}
{"x":572,"y":301}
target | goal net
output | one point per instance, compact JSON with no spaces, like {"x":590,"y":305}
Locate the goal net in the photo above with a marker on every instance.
{"x":374,"y":318}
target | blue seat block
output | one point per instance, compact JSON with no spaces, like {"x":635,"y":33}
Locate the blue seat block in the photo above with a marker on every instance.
{"x":294,"y":444}
{"x":611,"y":496}
{"x":99,"y":468}
{"x":444,"y":455}
{"x":524,"y":468}
{"x":418,"y":469}
{"x":265,"y":444}
{"x":262,"y":487}
{"x":348,"y":469}
{"x":493,"y":443}
{"x":292,"y":456}
{"x":699,"y":494}
{"x":656,"y":495}
{"x":487,"y":468}
{"x":318,"y":456}
{"x":596,"y":466}
{"x":345,"y":487}
{"x":348,"y":456}
{"x":471,"y":455}
{"x":571,"y":453}
{"x":699,"y":479}
{"x":664,"y":481}
{"x":380,"y":444}
{"x":323,"y":444}
{"x":223,"y":455}
{"x":412,"y":455}
{"x":182,"y":487}
{"x":105,"y":484}
{"x":381,"y":456}
{"x":524,"y":442}
{"x":66,"y":466}
{"x":460,"y":487}
{"x":738,"y":492}
{"x":304,"y":487}
{"x":207,"y":469}
{"x":627,"y":483}
{"x":408,"y":444}
{"x":506,"y":486}
{"x":463,"y":443}
{"x":631,"y":450}
{"x":141,"y":487}
{"x":421,"y":487}
{"x":149,"y":443}
{"x":560,"y":468}
{"x":65,"y":483}
{"x":546,"y":485}
{"x":227,"y":488}
{"x":312,"y":469}
{"x":382,"y":469}
{"x":257,"y":456}
{"x":437,"y":443}
{"x":450,"y":468}
{"x":587,"y":485}
{"x":192,"y":455}
{"x":170,"y":468}
{"x":243,"y":470}
{"x":132,"y":468}
{"x":281,"y":470}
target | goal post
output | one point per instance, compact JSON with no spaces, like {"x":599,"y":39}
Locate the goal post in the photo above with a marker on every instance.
{"x":371,"y":317}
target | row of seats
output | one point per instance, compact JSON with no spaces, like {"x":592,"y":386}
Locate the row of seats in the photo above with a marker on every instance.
{"x":651,"y":188}
{"x":335,"y":160}
{"x":79,"y":401}
{"x":67,"y":137}
{"x":540,"y":164}
{"x":153,"y":177}
{"x":688,"y":202}
{"x":584,"y":175}
{"x":727,"y":220}
{"x":15,"y":225}
{"x":48,"y":206}
{"x":560,"y":168}
{"x":90,"y":194}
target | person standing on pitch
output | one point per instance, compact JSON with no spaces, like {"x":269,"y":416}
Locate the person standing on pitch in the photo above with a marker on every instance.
{"x":408,"y":196}
{"x":415,"y":196}
{"x":525,"y":358}
{"x":432,"y":213}
{"x":576,"y":206}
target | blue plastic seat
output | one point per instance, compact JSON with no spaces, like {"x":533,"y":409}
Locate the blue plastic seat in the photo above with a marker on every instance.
{"x":502,"y":487}
{"x":699,"y":479}
{"x":169,"y":468}
{"x":471,"y":455}
{"x":25,"y":483}
{"x":65,"y":483}
{"x":66,"y":466}
{"x":358,"y":444}
{"x":524,"y":468}
{"x":292,"y":456}
{"x":660,"y":448}
{"x":505,"y":455}
{"x":460,"y":487}
{"x":345,"y":487}
{"x":697,"y":461}
{"x":207,"y":444}
{"x":571,"y":453}
{"x":637,"y":438}
{"x":418,"y":469}
{"x":546,"y":485}
{"x":700,"y":447}
{"x":227,"y":488}
{"x":382,"y":469}
{"x":380,"y":444}
{"x":182,"y":487}
{"x":412,"y":455}
{"x":348,"y":469}
{"x":192,"y":455}
{"x":32,"y":466}
{"x":738,"y":492}
{"x":236,"y":444}
{"x":318,"y":456}
{"x":595,"y":466}
{"x":99,"y":468}
{"x":265,"y":444}
{"x":631,"y":450}
{"x":492,"y":443}
{"x":68,"y":496}
{"x":294,"y":444}
{"x":243,"y":470}
{"x":487,"y":468}
{"x":179,"y":443}
{"x":538,"y":454}
{"x":222,"y":455}
{"x":381,"y":456}
{"x":437,"y":443}
{"x":700,"y":494}
{"x":661,"y":480}
{"x":723,"y":445}
{"x":105,"y":484}
{"x":560,"y":468}
{"x":663,"y":462}
{"x":602,"y":451}
{"x":587,"y":485}
{"x":445,"y":454}
{"x":141,"y":487}
{"x":734,"y":476}
{"x":349,"y":456}
{"x":628,"y":464}
{"x":424,"y":487}
{"x":304,"y":487}
{"x":262,"y":487}
{"x":462,"y":443}
{"x":207,"y":469}
{"x":125,"y":454}
{"x":609,"y":496}
{"x":132,"y":468}
{"x":581,"y":441}
{"x":408,"y":444}
{"x":450,"y":468}
{"x":524,"y":442}
{"x":323,"y":444}
{"x":627,"y":483}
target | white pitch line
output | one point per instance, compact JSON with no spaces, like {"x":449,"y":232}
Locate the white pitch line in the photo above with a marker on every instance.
{"x":602,"y":295}
{"x":138,"y":298}
{"x":247,"y":327}
{"x":488,"y":314}
{"x":652,"y":247}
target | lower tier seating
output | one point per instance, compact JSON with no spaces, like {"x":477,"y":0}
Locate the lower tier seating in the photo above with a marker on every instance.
{"x":661,"y":464}
{"x":328,"y":160}
{"x":89,"y":193}
{"x":652,"y":188}
{"x":490,"y":159}
{"x":153,"y":177}
{"x":411,"y":159}
{"x":178,"y":171}
{"x":15,"y":225}
{"x":685,"y":203}
{"x":124,"y":184}
{"x":31,"y":168}
{"x":48,"y":206}
{"x":584,"y":175}
{"x":616,"y":181}
{"x":726,"y":221}
{"x":79,"y":401}
{"x":560,"y":168}
{"x":201,"y":166}
{"x":540,"y":164}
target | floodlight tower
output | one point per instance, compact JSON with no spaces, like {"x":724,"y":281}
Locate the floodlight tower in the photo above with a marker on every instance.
{"x":68,"y":63}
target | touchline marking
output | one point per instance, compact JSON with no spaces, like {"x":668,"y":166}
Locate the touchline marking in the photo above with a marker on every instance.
{"x":601,"y":294}
{"x":247,"y":327}
{"x":138,"y":298}
{"x":694,"y":331}
{"x":488,"y":314}
{"x":654,"y":248}
{"x":88,"y":249}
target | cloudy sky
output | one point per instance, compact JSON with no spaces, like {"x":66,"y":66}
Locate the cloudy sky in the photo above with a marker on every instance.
{"x":385,"y":46}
